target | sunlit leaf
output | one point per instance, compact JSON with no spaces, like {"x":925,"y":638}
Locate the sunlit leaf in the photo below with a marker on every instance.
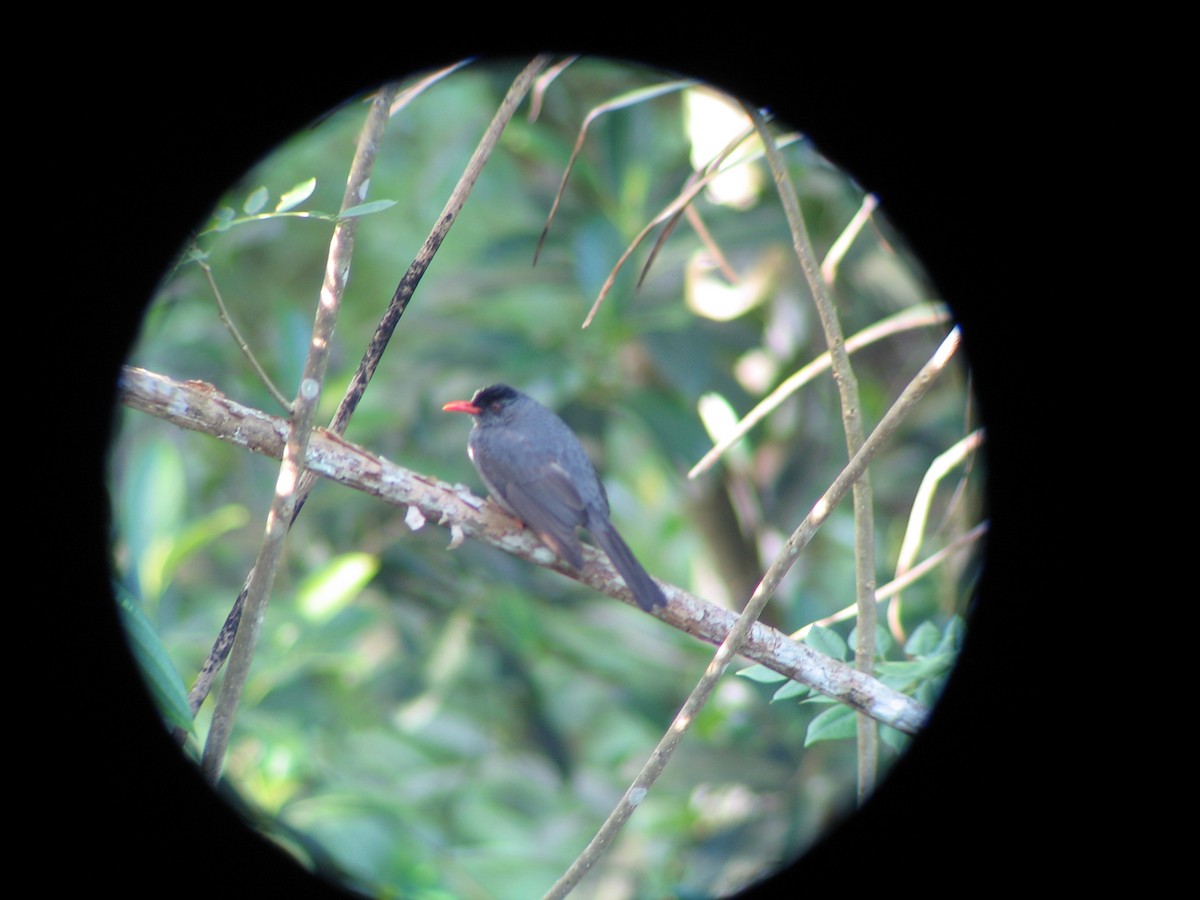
{"x":328,"y":590}
{"x":296,"y":195}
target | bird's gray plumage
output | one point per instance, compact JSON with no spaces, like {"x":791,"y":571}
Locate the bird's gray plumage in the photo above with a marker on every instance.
{"x":536,"y":469}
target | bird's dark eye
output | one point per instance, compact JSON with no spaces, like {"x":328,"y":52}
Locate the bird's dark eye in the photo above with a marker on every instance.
{"x":497,"y":406}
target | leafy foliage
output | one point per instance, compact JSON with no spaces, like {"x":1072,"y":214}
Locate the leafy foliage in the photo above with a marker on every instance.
{"x":930,"y":654}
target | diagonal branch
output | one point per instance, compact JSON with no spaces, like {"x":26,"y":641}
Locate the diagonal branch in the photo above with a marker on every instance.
{"x":416,"y":270}
{"x":689,"y":192}
{"x":919,"y":316}
{"x":236,"y":333}
{"x":636,"y":96}
{"x":200,"y":407}
{"x":740,"y":636}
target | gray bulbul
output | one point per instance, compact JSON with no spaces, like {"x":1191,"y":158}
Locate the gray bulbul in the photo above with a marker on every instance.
{"x":536,"y":469}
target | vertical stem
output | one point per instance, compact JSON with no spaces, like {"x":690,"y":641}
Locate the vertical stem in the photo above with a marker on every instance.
{"x":288,"y":493}
{"x":847,"y":385}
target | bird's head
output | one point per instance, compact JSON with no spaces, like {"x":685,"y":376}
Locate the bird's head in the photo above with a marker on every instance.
{"x":493,"y":403}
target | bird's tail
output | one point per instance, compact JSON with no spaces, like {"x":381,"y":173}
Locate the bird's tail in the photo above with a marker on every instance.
{"x":647,"y":594}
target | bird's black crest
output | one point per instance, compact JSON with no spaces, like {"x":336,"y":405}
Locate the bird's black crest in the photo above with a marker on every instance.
{"x":495,"y":395}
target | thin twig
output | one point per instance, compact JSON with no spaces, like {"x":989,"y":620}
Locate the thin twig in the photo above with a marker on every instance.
{"x":900,"y":582}
{"x":414,"y":90}
{"x":711,"y":167}
{"x":355,"y":190}
{"x":543,"y":84}
{"x":241,"y":342}
{"x":847,"y":385}
{"x":628,"y":99}
{"x":685,"y":196}
{"x":710,"y":244}
{"x":914,"y":532}
{"x":449,"y":215}
{"x":919,"y":316}
{"x":287,"y":494}
{"x":837,"y":251}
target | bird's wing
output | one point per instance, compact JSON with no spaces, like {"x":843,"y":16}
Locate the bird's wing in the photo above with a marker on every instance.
{"x":535,"y":488}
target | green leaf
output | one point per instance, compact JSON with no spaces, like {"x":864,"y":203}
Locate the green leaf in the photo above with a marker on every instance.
{"x":827,"y":641}
{"x":256,"y":200}
{"x":193,"y":254}
{"x":930,"y":690}
{"x":365,"y":209}
{"x":791,"y":689}
{"x":761,"y":674}
{"x":923,"y":640}
{"x":835,"y":724}
{"x":152,"y":510}
{"x":222,"y":219}
{"x":913,"y":670}
{"x":953,"y":635}
{"x":296,"y":195}
{"x":161,"y":677}
{"x":884,"y":642}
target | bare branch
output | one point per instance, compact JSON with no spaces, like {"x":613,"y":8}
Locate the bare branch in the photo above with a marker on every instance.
{"x":289,"y":492}
{"x":713,"y":166}
{"x":201,"y":407}
{"x":900,"y":582}
{"x":693,"y":187}
{"x":914,"y":532}
{"x":636,"y":96}
{"x":416,"y":270}
{"x":847,"y":385}
{"x":837,"y":252}
{"x":237,"y":337}
{"x":915,"y":317}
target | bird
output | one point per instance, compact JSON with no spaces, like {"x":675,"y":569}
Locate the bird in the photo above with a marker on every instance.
{"x":536,"y":470}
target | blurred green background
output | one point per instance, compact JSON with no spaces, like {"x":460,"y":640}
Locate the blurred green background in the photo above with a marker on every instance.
{"x":425,"y":723}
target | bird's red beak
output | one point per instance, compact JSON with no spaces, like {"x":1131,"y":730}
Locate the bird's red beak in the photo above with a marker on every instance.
{"x":462,"y":406}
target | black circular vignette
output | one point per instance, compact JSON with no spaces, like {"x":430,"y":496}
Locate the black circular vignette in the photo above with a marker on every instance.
{"x":940,"y":168}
